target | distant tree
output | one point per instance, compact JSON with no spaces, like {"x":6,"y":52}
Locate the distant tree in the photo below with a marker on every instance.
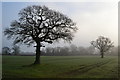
{"x":6,"y":50}
{"x":103,"y":44}
{"x":57,"y":50}
{"x":43,"y":52}
{"x":64,"y":51}
{"x":39,"y":24}
{"x":82,"y":51}
{"x":73,"y":49}
{"x":16,"y":50}
{"x":49,"y":51}
{"x":113,"y":51}
{"x":90,"y":50}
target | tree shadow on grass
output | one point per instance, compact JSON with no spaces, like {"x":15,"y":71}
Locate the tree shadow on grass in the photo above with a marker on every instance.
{"x":31,"y":65}
{"x":34,"y":65}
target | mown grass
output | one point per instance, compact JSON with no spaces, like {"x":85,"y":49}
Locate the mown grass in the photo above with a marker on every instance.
{"x":60,"y":67}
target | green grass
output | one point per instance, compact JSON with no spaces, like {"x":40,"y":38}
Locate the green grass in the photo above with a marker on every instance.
{"x":60,"y":67}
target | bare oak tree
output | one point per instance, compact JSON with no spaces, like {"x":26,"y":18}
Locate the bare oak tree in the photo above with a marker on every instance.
{"x":103,"y":44}
{"x":39,"y":24}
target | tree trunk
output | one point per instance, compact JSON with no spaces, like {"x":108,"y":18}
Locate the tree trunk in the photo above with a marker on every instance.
{"x":102,"y":55}
{"x":38,"y":52}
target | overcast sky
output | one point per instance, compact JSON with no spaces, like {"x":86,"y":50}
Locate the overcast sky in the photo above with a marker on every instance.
{"x":93,"y":19}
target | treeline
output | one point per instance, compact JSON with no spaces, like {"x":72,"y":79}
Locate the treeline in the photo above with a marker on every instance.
{"x":60,"y":51}
{"x":68,"y":51}
{"x":76,"y":51}
{"x":15,"y":50}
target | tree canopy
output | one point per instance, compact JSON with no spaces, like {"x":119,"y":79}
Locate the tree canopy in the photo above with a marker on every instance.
{"x":42,"y":24}
{"x":103,"y":44}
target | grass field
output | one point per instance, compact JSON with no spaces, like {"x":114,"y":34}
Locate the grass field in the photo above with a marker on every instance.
{"x":60,"y":67}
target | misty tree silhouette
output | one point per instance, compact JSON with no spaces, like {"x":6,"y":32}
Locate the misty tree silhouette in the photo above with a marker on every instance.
{"x":103,"y":44}
{"x":6,"y":50}
{"x":16,"y":50}
{"x":39,"y":24}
